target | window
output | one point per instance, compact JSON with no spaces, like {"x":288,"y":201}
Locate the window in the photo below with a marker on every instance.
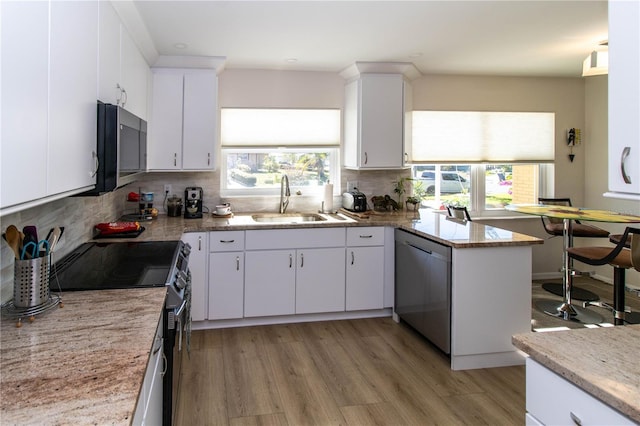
{"x":482,"y":188}
{"x":482,"y":160}
{"x":260,"y":145}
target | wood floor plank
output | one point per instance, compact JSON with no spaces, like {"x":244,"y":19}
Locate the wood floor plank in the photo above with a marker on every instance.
{"x":340,"y":372}
{"x":379,"y":414}
{"x":202,"y":399}
{"x":277,"y":419}
{"x":306,"y":399}
{"x":481,"y":409}
{"x":250,"y":382}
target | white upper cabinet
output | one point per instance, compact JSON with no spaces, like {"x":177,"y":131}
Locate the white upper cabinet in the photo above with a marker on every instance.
{"x":123,"y":71}
{"x":184,"y":119}
{"x":49,"y":80}
{"x":23,"y":134}
{"x":374,"y":122}
{"x":73,"y":76}
{"x":624,"y":99}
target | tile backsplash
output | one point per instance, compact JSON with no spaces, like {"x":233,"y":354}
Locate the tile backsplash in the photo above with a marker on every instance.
{"x":78,"y":215}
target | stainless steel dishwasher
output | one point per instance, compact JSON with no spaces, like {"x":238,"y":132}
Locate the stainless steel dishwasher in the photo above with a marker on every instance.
{"x":423,"y":287}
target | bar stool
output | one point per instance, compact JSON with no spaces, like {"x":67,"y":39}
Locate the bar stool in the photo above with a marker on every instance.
{"x":621,"y":259}
{"x":554,"y":227}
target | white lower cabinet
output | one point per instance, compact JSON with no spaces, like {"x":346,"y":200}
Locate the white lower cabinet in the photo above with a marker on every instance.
{"x":270,"y":283}
{"x":198,"y":260}
{"x":553,"y":400}
{"x":149,"y":406}
{"x":320,"y":280}
{"x":365,"y":268}
{"x":275,"y":272}
{"x":226,"y":275}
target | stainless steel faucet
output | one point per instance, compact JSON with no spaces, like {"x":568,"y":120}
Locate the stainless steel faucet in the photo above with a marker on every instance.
{"x":285,"y":191}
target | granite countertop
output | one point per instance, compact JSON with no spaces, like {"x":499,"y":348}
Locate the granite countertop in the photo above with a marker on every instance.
{"x":425,"y":223}
{"x":83,"y":363}
{"x":601,"y":361}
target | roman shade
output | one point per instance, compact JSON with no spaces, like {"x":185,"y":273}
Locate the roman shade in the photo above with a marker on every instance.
{"x":466,"y":137}
{"x":253,"y":127}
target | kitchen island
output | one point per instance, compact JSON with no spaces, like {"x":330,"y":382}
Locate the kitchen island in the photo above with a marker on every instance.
{"x":598,"y":365}
{"x":83,"y":363}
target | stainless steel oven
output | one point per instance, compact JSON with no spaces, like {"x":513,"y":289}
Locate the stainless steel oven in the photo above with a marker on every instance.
{"x":120,"y":265}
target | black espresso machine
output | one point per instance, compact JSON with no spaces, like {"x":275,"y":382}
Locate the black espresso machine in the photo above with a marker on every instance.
{"x":193,"y":202}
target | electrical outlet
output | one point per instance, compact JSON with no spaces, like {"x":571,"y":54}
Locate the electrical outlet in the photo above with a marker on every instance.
{"x":167,"y":189}
{"x":351,"y":185}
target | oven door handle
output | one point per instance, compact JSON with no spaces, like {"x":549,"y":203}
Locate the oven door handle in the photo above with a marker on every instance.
{"x":181,"y":308}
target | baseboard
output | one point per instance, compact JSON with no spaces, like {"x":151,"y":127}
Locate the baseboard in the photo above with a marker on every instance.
{"x":547,"y":276}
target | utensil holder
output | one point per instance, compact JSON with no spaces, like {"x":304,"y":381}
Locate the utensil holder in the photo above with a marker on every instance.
{"x":31,"y":282}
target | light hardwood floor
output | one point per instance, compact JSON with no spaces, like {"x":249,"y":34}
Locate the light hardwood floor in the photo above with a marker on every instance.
{"x":352,"y":372}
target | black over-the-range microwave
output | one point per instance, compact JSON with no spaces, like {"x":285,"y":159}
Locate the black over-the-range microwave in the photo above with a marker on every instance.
{"x":121,"y":148}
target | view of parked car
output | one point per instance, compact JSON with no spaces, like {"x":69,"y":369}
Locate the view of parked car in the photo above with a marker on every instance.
{"x":450,"y":182}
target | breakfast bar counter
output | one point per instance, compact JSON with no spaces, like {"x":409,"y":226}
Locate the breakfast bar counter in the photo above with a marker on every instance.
{"x":83,"y":363}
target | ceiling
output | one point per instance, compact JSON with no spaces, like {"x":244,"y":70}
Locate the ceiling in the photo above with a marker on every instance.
{"x":505,"y":38}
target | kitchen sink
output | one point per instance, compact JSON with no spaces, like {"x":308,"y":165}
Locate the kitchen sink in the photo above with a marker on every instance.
{"x":287,"y":217}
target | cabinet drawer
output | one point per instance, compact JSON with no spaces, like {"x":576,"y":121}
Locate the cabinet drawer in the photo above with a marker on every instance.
{"x":295,"y":238}
{"x":365,"y":236}
{"x":226,"y":241}
{"x":551,"y":399}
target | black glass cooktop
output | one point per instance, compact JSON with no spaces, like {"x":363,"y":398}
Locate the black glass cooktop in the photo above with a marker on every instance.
{"x":99,"y":266}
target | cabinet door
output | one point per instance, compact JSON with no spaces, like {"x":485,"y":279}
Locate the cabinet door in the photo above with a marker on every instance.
{"x":165,"y":147}
{"x":270,"y":283}
{"x":23,"y":134}
{"x":365,"y":278}
{"x":624,"y":96}
{"x":133,"y":76}
{"x":198,"y":259}
{"x":553,"y":400}
{"x":226,"y":285}
{"x":320,"y":280}
{"x":109,"y":55}
{"x":200,"y":121}
{"x":381,"y":121}
{"x":73,"y":82}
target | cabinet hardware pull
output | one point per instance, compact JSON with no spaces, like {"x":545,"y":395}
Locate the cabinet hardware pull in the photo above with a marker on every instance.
{"x":575,"y":418}
{"x":290,"y":260}
{"x":237,"y":263}
{"x":119,"y":97}
{"x":406,"y":157}
{"x":366,"y":236}
{"x":302,"y":260}
{"x":353,"y":257}
{"x":226,"y":241}
{"x":623,"y":159}
{"x":155,"y":351}
{"x":164,"y":367}
{"x":208,"y":158}
{"x":366,"y":158}
{"x":199,"y":243}
{"x":96,"y":161}
{"x":126,"y":97}
{"x":175,"y":159}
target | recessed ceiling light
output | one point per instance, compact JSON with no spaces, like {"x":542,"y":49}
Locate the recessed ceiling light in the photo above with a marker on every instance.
{"x":180,"y":45}
{"x":415,"y":55}
{"x":291,"y":60}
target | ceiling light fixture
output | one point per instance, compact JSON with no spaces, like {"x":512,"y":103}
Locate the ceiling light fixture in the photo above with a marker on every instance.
{"x":180,"y":46}
{"x":291,"y":60}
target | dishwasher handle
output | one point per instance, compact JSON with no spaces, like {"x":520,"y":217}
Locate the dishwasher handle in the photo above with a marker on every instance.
{"x":429,"y":252}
